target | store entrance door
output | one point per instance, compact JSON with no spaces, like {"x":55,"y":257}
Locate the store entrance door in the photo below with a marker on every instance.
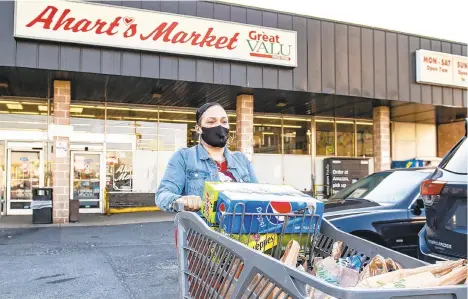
{"x":25,"y":171}
{"x":87,"y":180}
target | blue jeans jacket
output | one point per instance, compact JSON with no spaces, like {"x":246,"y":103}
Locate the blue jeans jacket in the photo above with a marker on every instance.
{"x":189,"y":168}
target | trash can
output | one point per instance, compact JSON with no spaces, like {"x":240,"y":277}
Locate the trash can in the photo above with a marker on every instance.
{"x":42,"y":206}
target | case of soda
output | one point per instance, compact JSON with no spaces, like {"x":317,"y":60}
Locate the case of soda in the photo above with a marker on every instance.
{"x":260,"y":208}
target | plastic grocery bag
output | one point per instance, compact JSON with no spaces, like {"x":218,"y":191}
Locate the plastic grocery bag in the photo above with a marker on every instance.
{"x":335,"y":273}
{"x":337,"y":250}
{"x":41,"y":204}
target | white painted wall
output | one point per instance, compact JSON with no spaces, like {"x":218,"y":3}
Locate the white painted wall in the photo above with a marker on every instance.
{"x":297,"y":171}
{"x":410,"y":140}
{"x":294,"y":170}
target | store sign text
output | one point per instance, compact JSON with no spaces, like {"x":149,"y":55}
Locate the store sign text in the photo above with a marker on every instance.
{"x":123,"y":173}
{"x":110,"y":26}
{"x":441,"y":69}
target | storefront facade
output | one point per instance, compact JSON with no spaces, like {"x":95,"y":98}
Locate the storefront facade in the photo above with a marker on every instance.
{"x":99,"y":96}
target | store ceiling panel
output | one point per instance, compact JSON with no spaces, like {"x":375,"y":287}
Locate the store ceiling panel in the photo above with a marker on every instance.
{"x":86,"y":87}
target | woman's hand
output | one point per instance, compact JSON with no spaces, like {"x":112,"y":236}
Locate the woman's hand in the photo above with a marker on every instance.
{"x":191,"y":203}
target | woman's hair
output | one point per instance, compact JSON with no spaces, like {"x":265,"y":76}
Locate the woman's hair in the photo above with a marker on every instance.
{"x":202,"y":110}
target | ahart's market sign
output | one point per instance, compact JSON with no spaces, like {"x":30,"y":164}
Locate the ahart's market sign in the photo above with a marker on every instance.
{"x":136,"y":29}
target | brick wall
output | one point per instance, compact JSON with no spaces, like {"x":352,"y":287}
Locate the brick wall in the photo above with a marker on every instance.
{"x":244,"y":128}
{"x":381,"y":117}
{"x":61,"y":165}
{"x":448,"y":135}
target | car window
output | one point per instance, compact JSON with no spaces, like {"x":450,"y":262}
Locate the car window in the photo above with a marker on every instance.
{"x":457,"y":160}
{"x":383,"y":187}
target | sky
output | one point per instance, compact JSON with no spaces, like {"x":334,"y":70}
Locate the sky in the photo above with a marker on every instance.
{"x":444,"y":19}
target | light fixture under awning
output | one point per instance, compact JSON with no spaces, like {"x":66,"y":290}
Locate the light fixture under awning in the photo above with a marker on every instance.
{"x":14,"y":106}
{"x":76,"y":109}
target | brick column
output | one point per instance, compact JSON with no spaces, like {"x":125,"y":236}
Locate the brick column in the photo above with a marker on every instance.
{"x":244,"y":127}
{"x":381,"y":138}
{"x":61,"y":165}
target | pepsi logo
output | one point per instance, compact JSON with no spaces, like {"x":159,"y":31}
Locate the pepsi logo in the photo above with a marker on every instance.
{"x":222,"y":208}
{"x":278,"y":207}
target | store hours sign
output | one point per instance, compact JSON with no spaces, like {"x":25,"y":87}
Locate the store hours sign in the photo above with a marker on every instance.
{"x":441,"y":69}
{"x":136,"y":29}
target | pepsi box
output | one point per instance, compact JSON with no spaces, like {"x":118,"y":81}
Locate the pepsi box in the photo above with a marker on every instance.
{"x":259,"y":208}
{"x":259,"y":242}
{"x":212,"y":189}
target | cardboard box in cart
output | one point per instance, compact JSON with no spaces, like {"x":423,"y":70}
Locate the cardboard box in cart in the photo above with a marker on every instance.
{"x":266,"y":242}
{"x":227,"y":203}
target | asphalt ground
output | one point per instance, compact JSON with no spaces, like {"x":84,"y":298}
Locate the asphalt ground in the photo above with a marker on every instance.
{"x":119,"y":261}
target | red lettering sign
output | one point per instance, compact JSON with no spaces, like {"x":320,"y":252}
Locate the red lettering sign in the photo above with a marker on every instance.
{"x":53,"y":19}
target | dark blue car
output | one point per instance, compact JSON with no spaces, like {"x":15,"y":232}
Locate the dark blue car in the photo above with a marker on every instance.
{"x":385,"y":208}
{"x":444,"y":236}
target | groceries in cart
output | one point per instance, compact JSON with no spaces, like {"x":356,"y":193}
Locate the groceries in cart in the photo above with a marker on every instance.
{"x":379,"y":273}
{"x":382,"y":273}
{"x":260,"y":208}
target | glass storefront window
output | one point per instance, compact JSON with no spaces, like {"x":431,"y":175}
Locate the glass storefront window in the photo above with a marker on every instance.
{"x":88,"y":118}
{"x":87,"y":179}
{"x":297,"y":136}
{"x":365,"y":139}
{"x":267,"y":135}
{"x":2,"y":172}
{"x":176,"y":129}
{"x":325,"y":136}
{"x":119,"y":171}
{"x":345,"y":138}
{"x":140,"y":142}
{"x":25,"y":117}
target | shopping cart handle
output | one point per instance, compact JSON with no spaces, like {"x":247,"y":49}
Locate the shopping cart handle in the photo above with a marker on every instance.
{"x":178,"y":206}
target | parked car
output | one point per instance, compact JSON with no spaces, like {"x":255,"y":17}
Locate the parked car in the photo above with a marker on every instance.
{"x":384,"y":208}
{"x":445,"y":199}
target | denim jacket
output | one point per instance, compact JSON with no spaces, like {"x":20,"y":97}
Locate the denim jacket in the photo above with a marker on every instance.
{"x":189,"y":168}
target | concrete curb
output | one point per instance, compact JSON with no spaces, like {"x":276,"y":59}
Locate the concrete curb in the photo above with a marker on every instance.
{"x":93,"y":220}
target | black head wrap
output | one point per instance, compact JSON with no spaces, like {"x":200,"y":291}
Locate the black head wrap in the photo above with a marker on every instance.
{"x":202,"y":110}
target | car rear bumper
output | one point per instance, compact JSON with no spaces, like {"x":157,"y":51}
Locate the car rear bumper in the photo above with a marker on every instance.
{"x":428,"y":255}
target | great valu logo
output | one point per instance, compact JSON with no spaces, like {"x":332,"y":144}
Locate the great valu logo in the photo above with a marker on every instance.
{"x":264,"y":45}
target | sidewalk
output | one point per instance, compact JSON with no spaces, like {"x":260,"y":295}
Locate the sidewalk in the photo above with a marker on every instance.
{"x":90,"y":220}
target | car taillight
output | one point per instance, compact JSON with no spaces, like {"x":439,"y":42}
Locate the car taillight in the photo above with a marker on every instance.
{"x":175,"y":235}
{"x":431,"y":190}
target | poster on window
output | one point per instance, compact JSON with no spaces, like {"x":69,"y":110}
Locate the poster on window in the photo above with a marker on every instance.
{"x":119,"y":172}
{"x":343,"y":172}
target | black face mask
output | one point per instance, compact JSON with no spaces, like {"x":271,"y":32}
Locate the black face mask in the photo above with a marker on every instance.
{"x":216,"y":136}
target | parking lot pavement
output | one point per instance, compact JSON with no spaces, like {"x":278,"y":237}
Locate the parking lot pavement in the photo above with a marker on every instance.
{"x":122,"y":261}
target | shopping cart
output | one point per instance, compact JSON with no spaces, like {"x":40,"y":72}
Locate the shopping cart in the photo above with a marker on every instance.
{"x":215,"y":265}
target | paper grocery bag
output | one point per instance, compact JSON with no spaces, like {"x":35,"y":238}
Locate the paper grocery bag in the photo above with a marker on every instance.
{"x":377,"y":266}
{"x":290,"y":257}
{"x":428,"y":280}
{"x":383,"y":279}
{"x":228,"y":284}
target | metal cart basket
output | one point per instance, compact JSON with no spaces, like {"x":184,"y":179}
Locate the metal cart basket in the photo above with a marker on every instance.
{"x":213,"y":265}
